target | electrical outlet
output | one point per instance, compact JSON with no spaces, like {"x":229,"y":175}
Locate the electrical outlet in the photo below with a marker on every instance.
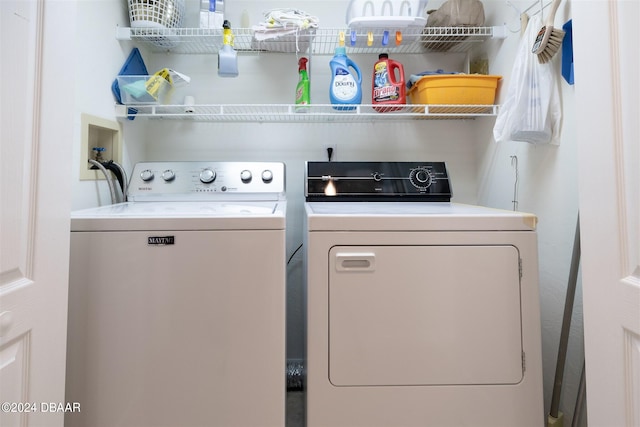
{"x":98,"y":132}
{"x":330,"y":152}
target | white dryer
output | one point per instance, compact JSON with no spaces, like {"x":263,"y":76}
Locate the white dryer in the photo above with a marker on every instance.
{"x":421,"y":312}
{"x":177,"y":300}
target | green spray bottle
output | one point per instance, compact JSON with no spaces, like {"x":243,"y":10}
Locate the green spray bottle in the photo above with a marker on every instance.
{"x":303,"y":97}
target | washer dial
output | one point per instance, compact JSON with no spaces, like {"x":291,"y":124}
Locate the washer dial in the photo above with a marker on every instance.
{"x":421,"y":178}
{"x":207,"y":176}
{"x":246,"y":176}
{"x":146,"y":175}
{"x":267,"y":176}
{"x":168,"y":175}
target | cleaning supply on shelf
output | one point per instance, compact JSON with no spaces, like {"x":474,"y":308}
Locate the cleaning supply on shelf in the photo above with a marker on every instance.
{"x":346,"y":85}
{"x":303,"y":98}
{"x":227,"y":56}
{"x":387,"y":85}
{"x":211,"y":13}
{"x":178,"y":79}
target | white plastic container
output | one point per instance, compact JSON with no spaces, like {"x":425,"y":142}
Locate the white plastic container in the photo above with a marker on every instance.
{"x":211,"y":13}
{"x":387,"y":13}
{"x":144,"y":89}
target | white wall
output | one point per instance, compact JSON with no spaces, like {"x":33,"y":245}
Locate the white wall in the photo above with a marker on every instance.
{"x":100,"y":59}
{"x":547,"y":187}
{"x":480,"y":169}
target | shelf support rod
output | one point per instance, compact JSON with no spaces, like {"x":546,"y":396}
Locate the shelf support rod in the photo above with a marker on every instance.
{"x":123,"y":33}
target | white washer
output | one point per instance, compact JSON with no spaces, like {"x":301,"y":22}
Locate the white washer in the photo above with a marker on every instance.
{"x":177,"y":300}
{"x":419,"y":313}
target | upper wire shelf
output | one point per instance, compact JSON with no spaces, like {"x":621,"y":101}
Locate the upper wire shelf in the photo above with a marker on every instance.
{"x":321,"y":41}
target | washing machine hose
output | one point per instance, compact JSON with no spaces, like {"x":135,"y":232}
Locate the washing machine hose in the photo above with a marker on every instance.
{"x":119,"y":173}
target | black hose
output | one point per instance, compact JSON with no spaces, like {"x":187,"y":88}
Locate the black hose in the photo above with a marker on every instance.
{"x":97,"y":165}
{"x":119,"y":173}
{"x":115,"y":169}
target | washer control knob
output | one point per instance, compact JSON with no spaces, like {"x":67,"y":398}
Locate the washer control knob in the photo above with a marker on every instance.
{"x":146,"y":175}
{"x":207,"y":176}
{"x":377,"y":176}
{"x":168,"y":175}
{"x":267,"y":176}
{"x":245,"y":176}
{"x":421,"y":178}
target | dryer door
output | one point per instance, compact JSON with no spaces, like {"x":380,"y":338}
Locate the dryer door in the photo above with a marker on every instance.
{"x":424,"y":315}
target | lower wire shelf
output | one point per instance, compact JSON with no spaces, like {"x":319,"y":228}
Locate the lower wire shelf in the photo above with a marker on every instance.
{"x":291,"y":113}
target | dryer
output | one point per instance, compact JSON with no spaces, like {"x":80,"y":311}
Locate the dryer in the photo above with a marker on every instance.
{"x":177,"y":300}
{"x":420,"y":312}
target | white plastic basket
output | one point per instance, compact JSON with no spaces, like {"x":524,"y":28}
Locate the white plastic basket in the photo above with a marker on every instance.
{"x":364,"y":8}
{"x":156,"y":13}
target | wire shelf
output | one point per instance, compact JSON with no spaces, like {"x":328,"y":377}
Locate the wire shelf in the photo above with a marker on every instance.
{"x":322,"y":41}
{"x":291,"y":113}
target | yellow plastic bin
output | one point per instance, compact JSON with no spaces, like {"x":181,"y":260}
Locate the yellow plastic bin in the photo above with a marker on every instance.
{"x":455,"y":89}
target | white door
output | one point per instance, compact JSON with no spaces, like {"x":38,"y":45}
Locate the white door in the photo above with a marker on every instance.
{"x":36,"y":121}
{"x":607,"y":39}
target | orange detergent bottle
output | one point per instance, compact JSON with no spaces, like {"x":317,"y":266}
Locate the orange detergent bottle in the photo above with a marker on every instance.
{"x":388,"y":85}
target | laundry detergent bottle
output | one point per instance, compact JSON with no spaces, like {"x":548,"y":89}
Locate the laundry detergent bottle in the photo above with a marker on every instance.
{"x":346,"y":81}
{"x":388,"y":85}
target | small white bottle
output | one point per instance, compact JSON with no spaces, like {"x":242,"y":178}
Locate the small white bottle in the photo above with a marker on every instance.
{"x":211,"y":13}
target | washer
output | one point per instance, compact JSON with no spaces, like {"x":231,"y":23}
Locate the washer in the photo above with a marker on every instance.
{"x":421,"y":312}
{"x":177,"y":300}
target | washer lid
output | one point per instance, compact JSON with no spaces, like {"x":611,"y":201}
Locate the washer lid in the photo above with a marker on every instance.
{"x":181,"y":216}
{"x":413,"y":216}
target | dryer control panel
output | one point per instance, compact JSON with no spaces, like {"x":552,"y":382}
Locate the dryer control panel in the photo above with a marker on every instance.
{"x":202,"y":181}
{"x":377,"y":181}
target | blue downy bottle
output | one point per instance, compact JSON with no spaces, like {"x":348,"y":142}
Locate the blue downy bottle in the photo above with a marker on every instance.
{"x":346,"y":89}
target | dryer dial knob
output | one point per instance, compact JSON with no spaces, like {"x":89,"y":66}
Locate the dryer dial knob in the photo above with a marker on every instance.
{"x":207,"y":176}
{"x":168,"y":175}
{"x":377,"y":176}
{"x":421,"y":178}
{"x":146,"y":175}
{"x":267,"y":176}
{"x":245,"y":176}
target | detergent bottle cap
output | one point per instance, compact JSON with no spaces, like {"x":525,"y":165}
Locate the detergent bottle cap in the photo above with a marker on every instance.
{"x":226,"y":24}
{"x":341,"y":50}
{"x":383,"y":56}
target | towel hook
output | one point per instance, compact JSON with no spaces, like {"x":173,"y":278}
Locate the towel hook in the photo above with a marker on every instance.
{"x":518,"y":13}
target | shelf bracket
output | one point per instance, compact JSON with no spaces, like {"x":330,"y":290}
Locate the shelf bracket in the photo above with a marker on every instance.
{"x":499,"y":32}
{"x":123,"y":33}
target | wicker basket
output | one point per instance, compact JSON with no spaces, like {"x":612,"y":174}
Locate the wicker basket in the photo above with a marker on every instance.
{"x":156,"y":13}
